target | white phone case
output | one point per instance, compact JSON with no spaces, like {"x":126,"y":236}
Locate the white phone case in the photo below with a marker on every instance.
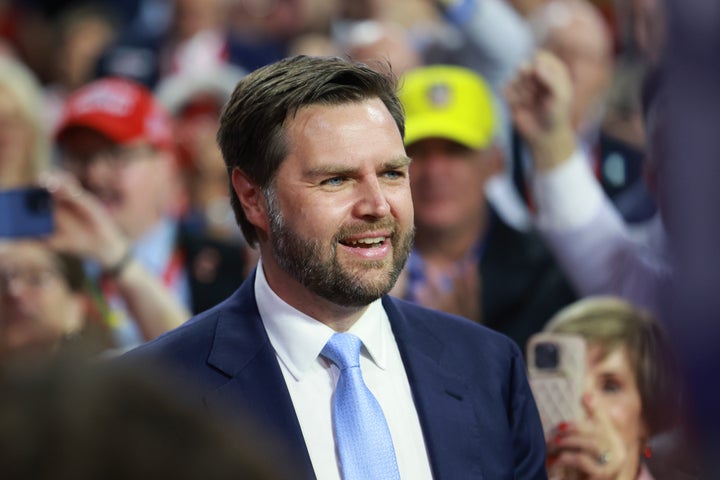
{"x":557,"y":389}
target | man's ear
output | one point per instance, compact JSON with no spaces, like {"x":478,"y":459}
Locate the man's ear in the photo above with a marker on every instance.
{"x":251,"y":199}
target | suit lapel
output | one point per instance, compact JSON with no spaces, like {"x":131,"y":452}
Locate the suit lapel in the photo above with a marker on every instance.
{"x":441,"y":397}
{"x":256,"y":387}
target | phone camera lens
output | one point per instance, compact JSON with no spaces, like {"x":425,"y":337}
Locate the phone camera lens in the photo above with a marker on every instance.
{"x":38,"y":201}
{"x":546,"y":356}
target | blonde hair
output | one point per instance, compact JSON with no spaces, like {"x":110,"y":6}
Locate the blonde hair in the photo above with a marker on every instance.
{"x":21,"y":84}
{"x":613,"y":323}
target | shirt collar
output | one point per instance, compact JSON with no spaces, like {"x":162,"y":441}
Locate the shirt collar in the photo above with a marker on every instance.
{"x":298,"y":339}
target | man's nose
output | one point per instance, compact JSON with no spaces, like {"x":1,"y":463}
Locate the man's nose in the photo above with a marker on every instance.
{"x":372,"y":201}
{"x":94,"y":171}
{"x":433,"y":165}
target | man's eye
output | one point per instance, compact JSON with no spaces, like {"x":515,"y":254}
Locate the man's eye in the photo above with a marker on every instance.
{"x":334,"y":181}
{"x":394,"y":174}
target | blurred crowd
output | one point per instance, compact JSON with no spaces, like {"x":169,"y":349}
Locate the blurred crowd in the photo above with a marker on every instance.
{"x":537,"y":179}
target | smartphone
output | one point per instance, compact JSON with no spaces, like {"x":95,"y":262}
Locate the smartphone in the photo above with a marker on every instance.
{"x":556,"y":371}
{"x":25,"y":212}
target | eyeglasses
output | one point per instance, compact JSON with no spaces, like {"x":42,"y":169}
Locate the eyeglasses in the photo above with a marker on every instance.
{"x":116,"y":157}
{"x":34,"y":279}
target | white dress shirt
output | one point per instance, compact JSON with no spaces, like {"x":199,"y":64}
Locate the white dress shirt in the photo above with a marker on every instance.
{"x":598,"y":251}
{"x":311,"y":379}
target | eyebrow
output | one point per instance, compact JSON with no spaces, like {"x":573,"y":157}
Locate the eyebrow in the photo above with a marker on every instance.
{"x":392,"y":164}
{"x":398,"y":162}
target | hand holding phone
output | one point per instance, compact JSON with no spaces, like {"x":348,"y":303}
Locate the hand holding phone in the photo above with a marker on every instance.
{"x":556,"y":371}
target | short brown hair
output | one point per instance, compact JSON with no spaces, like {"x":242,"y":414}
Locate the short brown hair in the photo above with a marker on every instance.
{"x":251,"y":135}
{"x":612,"y":323}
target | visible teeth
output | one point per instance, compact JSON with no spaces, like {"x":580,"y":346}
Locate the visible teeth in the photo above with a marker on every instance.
{"x":368,"y":241}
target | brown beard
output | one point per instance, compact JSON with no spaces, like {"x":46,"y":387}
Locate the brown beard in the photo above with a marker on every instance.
{"x":322,"y":274}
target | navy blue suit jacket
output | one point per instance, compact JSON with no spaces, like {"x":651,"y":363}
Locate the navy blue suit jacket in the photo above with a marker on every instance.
{"x":476,"y":410}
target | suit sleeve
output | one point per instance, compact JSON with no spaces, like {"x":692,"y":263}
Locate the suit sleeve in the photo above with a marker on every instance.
{"x":527,"y":432}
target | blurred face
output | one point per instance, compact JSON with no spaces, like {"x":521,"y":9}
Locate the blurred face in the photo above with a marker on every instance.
{"x":649,"y":28}
{"x":341,"y":214}
{"x":206,"y":170}
{"x":194,"y":16}
{"x":612,"y":383}
{"x":37,"y":308}
{"x":386,"y":44}
{"x":82,"y":43}
{"x":16,"y":143}
{"x":448,"y":181}
{"x":205,"y":174}
{"x":133,"y":181}
{"x":278,"y":19}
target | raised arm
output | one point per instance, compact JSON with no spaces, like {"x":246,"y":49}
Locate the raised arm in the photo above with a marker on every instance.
{"x":583,"y":229}
{"x":84,"y":229}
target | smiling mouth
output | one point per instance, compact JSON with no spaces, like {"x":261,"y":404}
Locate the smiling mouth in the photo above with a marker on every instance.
{"x":372,"y":242}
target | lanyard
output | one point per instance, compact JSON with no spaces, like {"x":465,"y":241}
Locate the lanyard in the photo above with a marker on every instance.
{"x":103,"y":289}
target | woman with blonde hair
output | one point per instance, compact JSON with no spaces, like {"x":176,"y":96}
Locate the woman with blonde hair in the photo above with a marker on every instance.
{"x":630,"y":391}
{"x":24,"y":137}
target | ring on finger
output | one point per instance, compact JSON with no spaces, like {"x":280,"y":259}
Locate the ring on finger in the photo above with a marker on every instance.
{"x":604,"y":457}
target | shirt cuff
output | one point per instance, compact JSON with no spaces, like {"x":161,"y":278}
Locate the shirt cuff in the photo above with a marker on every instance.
{"x":567,"y":196}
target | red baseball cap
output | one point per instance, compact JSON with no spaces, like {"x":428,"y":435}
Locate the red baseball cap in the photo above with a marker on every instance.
{"x":122,"y":110}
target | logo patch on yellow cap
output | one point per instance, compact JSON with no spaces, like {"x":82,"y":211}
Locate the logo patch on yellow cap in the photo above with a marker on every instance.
{"x":439,"y":95}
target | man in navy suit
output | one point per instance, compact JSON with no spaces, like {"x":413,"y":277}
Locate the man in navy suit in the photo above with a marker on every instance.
{"x":319,"y":176}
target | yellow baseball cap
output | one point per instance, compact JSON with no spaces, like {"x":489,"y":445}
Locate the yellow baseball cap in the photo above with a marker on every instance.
{"x":445,"y":101}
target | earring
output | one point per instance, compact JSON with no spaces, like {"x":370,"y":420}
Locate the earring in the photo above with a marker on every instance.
{"x":647,"y":451}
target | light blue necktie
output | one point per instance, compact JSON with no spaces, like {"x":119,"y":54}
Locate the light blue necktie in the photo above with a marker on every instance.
{"x":363,"y":438}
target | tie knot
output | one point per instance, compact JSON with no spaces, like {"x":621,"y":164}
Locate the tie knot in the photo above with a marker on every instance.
{"x":343,"y":349}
